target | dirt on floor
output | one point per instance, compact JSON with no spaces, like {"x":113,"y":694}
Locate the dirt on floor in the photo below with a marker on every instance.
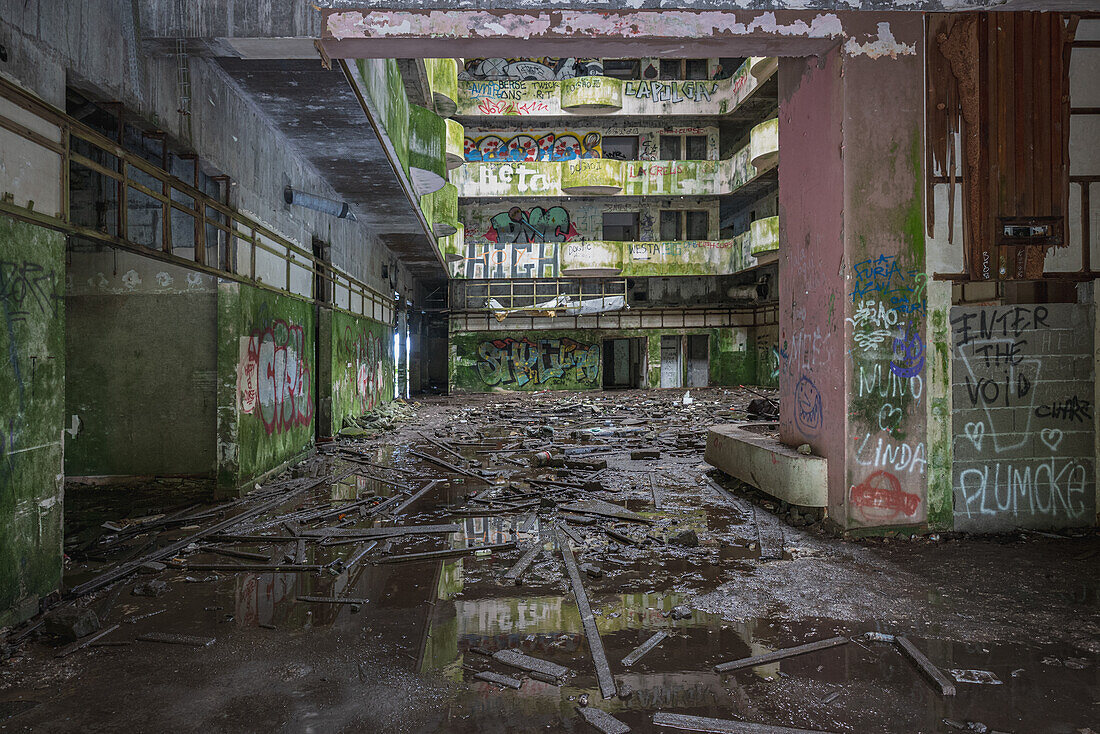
{"x":311,"y":608}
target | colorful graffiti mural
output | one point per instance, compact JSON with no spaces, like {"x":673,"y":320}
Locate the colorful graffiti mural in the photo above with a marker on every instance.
{"x":538,"y":69}
{"x":508,"y":260}
{"x":527,"y":147}
{"x":522,"y":362}
{"x":535,"y":225}
{"x":671,"y":92}
{"x":274,"y":380}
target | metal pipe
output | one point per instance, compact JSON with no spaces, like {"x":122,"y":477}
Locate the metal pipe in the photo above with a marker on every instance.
{"x":338,"y":209}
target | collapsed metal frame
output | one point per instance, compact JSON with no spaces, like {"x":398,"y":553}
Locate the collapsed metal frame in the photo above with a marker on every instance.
{"x":524,"y":294}
{"x":234,"y":230}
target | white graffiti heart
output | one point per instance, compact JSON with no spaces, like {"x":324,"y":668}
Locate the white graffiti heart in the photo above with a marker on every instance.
{"x":1052,"y":437}
{"x":975,"y":432}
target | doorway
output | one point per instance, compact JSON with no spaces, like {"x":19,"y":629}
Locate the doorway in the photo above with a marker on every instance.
{"x":623,"y":363}
{"x":671,"y":362}
{"x":698,"y":360}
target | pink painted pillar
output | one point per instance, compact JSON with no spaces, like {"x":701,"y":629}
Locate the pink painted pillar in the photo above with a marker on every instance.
{"x":852,"y":272}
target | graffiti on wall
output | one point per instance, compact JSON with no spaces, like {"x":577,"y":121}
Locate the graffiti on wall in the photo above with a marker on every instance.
{"x":521,"y":362}
{"x":1024,"y":450}
{"x":564,"y":146}
{"x":508,"y":260}
{"x":538,"y":69}
{"x":31,"y":296}
{"x":888,"y":354}
{"x":534,"y":225}
{"x":671,"y":92}
{"x":364,"y":352}
{"x":274,"y":380}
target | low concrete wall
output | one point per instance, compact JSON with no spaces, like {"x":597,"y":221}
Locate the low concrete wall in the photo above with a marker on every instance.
{"x":768,"y":465}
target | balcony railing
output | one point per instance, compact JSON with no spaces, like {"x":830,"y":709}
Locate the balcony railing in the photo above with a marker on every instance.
{"x":589,"y":95}
{"x":609,"y":177}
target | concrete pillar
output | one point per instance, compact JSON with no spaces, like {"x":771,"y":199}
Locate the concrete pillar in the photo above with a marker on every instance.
{"x":853,"y":303}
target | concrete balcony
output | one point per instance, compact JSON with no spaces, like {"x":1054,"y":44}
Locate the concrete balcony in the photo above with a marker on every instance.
{"x":456,"y":138}
{"x":764,"y":144}
{"x":443,"y":82}
{"x":603,"y":258}
{"x":608,"y":177}
{"x":612,"y":97}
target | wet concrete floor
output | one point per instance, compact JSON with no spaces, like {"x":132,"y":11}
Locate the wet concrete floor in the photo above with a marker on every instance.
{"x":1023,"y":607}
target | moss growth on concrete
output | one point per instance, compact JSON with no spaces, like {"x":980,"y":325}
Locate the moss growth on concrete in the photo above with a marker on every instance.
{"x":266,"y":373}
{"x":362,"y":366}
{"x":573,"y":360}
{"x":32,"y":388}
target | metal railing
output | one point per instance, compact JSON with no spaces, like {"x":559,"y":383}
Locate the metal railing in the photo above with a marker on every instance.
{"x":530,"y":294}
{"x":236,"y":236}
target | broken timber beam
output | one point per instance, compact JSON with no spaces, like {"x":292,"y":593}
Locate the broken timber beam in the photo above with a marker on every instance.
{"x":645,"y":647}
{"x":419,"y":493}
{"x":788,"y":652}
{"x":925,"y":666}
{"x":595,"y":645}
{"x":515,"y":572}
{"x":445,"y":553}
{"x":723,"y":726}
{"x":499,"y":679}
{"x":603,"y":721}
{"x":517,"y":659}
{"x":380,"y":532}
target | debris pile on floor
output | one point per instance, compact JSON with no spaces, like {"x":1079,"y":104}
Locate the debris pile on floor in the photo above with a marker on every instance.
{"x":578,"y":499}
{"x":384,"y":417}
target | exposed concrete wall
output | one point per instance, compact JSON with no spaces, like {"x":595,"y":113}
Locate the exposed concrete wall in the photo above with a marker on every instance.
{"x":98,"y":45}
{"x":32,"y":389}
{"x":1024,"y":419}
{"x":141,"y":347}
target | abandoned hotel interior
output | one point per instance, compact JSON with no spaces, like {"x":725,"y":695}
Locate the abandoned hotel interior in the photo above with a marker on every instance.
{"x":571,"y":366}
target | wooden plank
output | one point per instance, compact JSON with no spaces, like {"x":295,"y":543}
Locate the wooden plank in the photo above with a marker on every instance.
{"x":515,"y":572}
{"x":81,"y":644}
{"x":925,"y":666}
{"x":501,"y":680}
{"x":173,"y":639}
{"x":516,"y":659}
{"x":644,"y":648}
{"x":723,"y":726}
{"x":390,"y":532}
{"x":419,"y":493}
{"x":603,"y":721}
{"x":445,"y":553}
{"x":331,"y":600}
{"x":595,"y":645}
{"x":788,"y":652}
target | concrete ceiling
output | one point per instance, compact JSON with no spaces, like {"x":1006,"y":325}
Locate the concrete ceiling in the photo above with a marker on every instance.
{"x":318,"y":112}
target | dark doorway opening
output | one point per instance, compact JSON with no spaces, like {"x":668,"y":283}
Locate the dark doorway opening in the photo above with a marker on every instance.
{"x":623,"y":363}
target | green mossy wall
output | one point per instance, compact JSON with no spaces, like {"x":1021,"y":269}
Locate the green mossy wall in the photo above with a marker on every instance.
{"x":572,"y":359}
{"x":32,"y":388}
{"x":362,"y":366}
{"x":141,"y":370}
{"x":266,"y":373}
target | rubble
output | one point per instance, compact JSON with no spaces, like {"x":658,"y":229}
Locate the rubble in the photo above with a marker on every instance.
{"x":71,"y":623}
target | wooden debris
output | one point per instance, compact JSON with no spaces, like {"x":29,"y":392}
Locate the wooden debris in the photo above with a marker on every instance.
{"x":723,"y":726}
{"x":516,"y":572}
{"x":330,"y":600}
{"x":500,"y":679}
{"x":80,"y":644}
{"x":381,"y":532}
{"x":789,"y":652}
{"x":446,"y":553}
{"x":417,"y":495}
{"x":515,"y":659}
{"x":169,"y":638}
{"x":645,"y":647}
{"x":595,"y":645}
{"x":925,"y":666}
{"x":603,"y":721}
